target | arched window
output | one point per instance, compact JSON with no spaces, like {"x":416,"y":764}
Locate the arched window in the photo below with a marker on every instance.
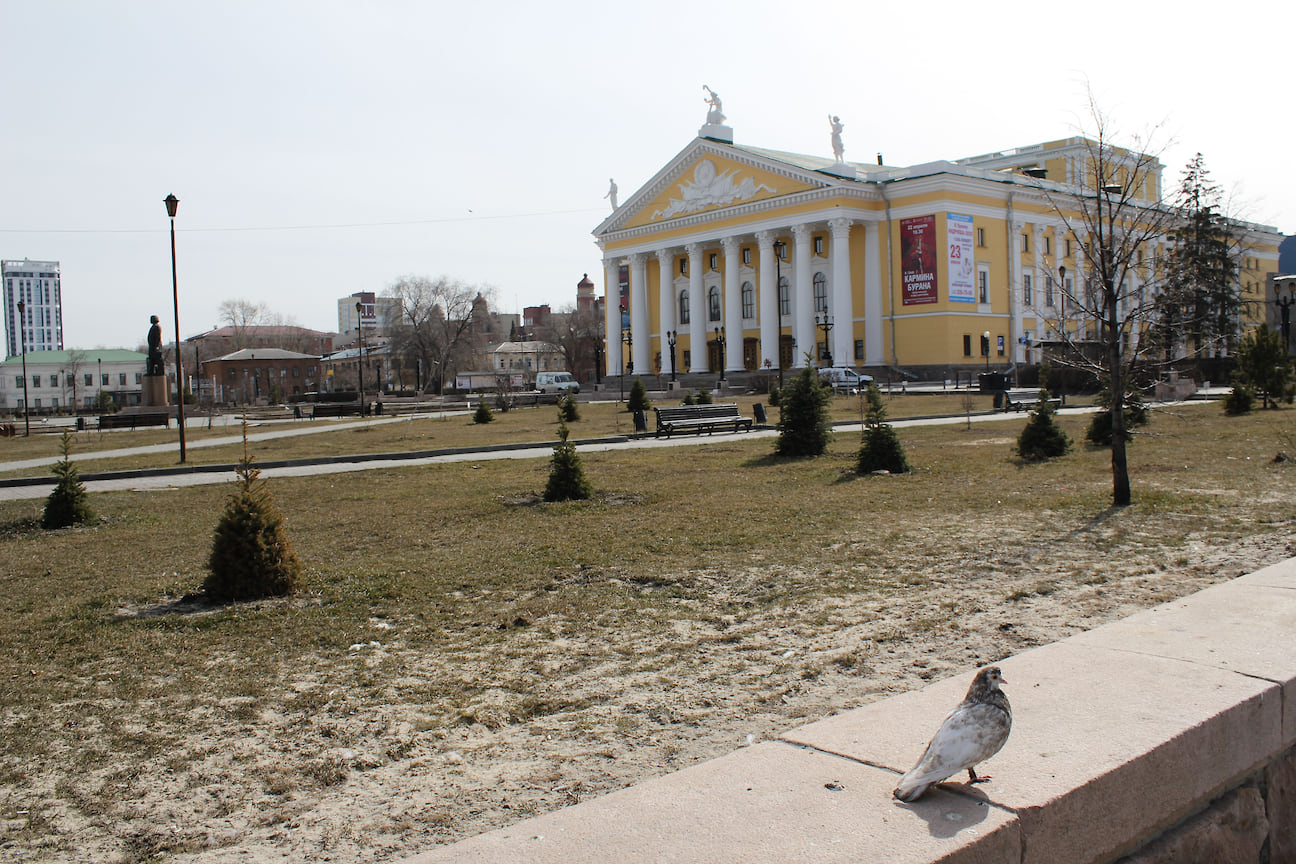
{"x":821,"y":292}
{"x":748,"y":301}
{"x":713,"y":302}
{"x":684,"y":307}
{"x":785,"y":297}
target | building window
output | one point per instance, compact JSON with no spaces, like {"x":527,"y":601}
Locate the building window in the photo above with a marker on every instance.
{"x":785,"y":301}
{"x":1026,"y":290}
{"x":983,"y":286}
{"x":688,"y":359}
{"x":1025,"y":242}
{"x":18,"y":381}
{"x":683,"y":307}
{"x":103,"y":380}
{"x":1048,"y":245}
{"x":36,"y":383}
{"x":121,"y":379}
{"x":981,"y":237}
{"x":89,"y":379}
{"x":780,"y":249}
{"x":712,"y":261}
{"x":713,"y":303}
{"x":748,"y":301}
{"x":818,"y":245}
{"x":1066,"y":244}
{"x":967,"y":344}
{"x":138,"y":377}
{"x":820,"y":292}
{"x":1048,"y":291}
{"x":683,"y":266}
{"x":859,"y":349}
{"x":746,"y":256}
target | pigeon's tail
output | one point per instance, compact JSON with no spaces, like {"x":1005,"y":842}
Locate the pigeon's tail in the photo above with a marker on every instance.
{"x":908,"y":791}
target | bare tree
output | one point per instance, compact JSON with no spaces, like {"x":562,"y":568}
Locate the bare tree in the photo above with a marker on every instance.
{"x":571,"y":331}
{"x":1113,"y":215}
{"x":437,"y":317}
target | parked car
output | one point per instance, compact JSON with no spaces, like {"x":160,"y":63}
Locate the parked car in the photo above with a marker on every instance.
{"x":844,"y":379}
{"x":556,"y":382}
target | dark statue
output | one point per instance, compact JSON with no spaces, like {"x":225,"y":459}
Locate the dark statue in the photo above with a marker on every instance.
{"x":154,"y":364}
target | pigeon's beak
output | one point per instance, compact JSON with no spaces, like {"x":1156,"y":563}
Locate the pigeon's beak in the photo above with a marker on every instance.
{"x":1002,"y":680}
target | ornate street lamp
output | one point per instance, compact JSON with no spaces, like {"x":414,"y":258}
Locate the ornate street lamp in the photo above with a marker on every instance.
{"x":1284,"y":305}
{"x":825,"y":324}
{"x":172,"y":203}
{"x":720,"y":347}
{"x":22,"y":337}
{"x":779,"y":246}
{"x":672,"y":337}
{"x":360,"y":357}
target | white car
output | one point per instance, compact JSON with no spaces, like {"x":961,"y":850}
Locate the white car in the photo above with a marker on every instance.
{"x":556,"y":382}
{"x":844,"y":379}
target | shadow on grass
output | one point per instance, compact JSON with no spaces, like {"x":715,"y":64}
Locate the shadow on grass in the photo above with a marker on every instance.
{"x":23,"y":527}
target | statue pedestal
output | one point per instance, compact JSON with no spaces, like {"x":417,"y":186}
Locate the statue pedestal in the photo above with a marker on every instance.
{"x":155,"y":390}
{"x":717,"y":132}
{"x":841,"y":169}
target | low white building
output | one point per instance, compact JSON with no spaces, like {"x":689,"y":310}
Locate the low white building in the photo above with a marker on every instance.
{"x":59,"y":381}
{"x":528,"y":358}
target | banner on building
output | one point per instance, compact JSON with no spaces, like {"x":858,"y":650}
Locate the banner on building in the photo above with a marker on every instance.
{"x":623,"y":292}
{"x":918,"y":260}
{"x":962,"y":267}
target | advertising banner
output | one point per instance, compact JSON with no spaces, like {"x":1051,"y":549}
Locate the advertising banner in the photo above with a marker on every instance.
{"x":958,"y":230}
{"x":623,"y":285}
{"x":918,"y":260}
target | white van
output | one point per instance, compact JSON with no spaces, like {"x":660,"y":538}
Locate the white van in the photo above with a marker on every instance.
{"x":556,"y":382}
{"x":844,"y":379}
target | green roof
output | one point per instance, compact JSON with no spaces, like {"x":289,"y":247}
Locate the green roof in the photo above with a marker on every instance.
{"x":84,"y":356}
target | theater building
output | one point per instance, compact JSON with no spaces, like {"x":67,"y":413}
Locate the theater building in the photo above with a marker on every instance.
{"x":749,"y":258}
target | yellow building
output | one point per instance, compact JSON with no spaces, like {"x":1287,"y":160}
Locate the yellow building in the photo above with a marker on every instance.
{"x":751,"y":258}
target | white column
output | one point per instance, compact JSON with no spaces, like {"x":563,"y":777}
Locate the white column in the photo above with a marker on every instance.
{"x":731,"y":315}
{"x":842,"y":307}
{"x":665,"y":304}
{"x":769,"y":317}
{"x":697,"y":311}
{"x":612,"y":317}
{"x":803,"y":325}
{"x":873,"y":353}
{"x":1014,"y":292}
{"x":640,"y":323}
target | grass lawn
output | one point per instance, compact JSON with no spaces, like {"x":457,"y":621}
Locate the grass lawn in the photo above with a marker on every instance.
{"x":577,"y":628}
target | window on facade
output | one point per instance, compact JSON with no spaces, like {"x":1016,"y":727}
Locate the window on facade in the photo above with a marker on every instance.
{"x":89,"y":379}
{"x":1066,"y":244}
{"x":983,"y":286}
{"x":818,"y":245}
{"x":38,"y":402}
{"x":36,"y":382}
{"x":683,"y":308}
{"x":683,"y":266}
{"x":980,"y":234}
{"x":296,"y":371}
{"x":1025,"y":242}
{"x":780,"y":249}
{"x":967,"y":344}
{"x":859,"y":349}
{"x":139,"y":377}
{"x":712,"y":261}
{"x":820,"y":292}
{"x":688,"y":359}
{"x":18,"y":380}
{"x":1048,"y":291}
{"x":121,"y":378}
{"x":103,"y":380}
{"x":1027,"y":294}
{"x":785,"y":301}
{"x":713,"y":303}
{"x":746,"y":256}
{"x":748,"y":301}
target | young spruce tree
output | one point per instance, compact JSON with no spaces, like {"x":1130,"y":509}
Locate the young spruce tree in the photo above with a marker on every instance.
{"x":566,"y":476}
{"x":881,"y":449}
{"x":1042,"y":438}
{"x":804,"y":425}
{"x":483,"y":414}
{"x":251,"y":556}
{"x":638,"y":400}
{"x":67,"y":504}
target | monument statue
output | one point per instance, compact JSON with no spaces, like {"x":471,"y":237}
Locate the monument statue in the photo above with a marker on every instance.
{"x":154,"y":365}
{"x":839,"y":151}
{"x":612,"y":192}
{"x":715,"y":116}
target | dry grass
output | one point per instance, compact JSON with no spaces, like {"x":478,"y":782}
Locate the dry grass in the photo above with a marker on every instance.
{"x":647,"y":625}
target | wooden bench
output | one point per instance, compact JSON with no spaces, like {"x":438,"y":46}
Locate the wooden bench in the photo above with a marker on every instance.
{"x":335,"y":409}
{"x":1024,"y":399}
{"x":134,"y":419}
{"x":699,"y":417}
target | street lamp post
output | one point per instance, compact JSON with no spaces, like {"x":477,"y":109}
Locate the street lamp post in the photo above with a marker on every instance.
{"x":985,"y":348}
{"x":22,"y":337}
{"x":360,"y":356}
{"x":672,"y":338}
{"x":627,"y":338}
{"x":720,"y":349}
{"x":172,"y":203}
{"x":1284,"y":305}
{"x":825,"y":324}
{"x":779,"y":246}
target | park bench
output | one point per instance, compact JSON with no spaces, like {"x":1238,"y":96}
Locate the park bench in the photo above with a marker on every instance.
{"x":335,"y":409}
{"x":1024,"y":399}
{"x":699,"y":417}
{"x":134,"y":419}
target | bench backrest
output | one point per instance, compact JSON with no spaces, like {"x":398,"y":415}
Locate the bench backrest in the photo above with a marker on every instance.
{"x":699,"y":412}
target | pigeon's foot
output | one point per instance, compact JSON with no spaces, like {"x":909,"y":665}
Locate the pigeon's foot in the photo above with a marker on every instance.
{"x":974,"y":777}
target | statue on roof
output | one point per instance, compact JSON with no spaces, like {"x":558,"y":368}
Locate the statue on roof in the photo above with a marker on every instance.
{"x":839,"y":150}
{"x":715,"y":116}
{"x":612,"y":192}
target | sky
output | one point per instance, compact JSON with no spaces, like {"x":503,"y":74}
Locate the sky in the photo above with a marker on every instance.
{"x":320,"y":148}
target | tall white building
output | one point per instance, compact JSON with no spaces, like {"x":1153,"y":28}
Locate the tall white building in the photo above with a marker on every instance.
{"x":36,"y":284}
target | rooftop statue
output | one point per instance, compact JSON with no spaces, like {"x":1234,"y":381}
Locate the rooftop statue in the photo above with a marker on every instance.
{"x":715,"y":116}
{"x":839,"y":151}
{"x":612,"y":192}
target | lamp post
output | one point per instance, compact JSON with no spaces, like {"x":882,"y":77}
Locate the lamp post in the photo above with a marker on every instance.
{"x":779,"y":246}
{"x":672,"y":338}
{"x":22,"y":337}
{"x":172,"y":203}
{"x":720,"y":349}
{"x":1284,"y":305}
{"x":627,"y":336}
{"x":360,"y":356}
{"x":985,"y":348}
{"x":99,"y":399}
{"x":825,"y":324}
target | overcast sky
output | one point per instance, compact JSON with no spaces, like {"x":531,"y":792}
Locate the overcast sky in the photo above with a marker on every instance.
{"x":320,"y":148}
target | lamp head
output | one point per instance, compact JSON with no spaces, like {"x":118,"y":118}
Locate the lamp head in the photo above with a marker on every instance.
{"x":172,"y":203}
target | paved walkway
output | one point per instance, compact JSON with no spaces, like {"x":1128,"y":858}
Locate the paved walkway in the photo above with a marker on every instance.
{"x":178,"y":477}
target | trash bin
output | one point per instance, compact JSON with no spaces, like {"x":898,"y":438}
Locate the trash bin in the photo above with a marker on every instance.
{"x":80,"y":424}
{"x":759,"y":411}
{"x":992,"y":382}
{"x":640,"y":421}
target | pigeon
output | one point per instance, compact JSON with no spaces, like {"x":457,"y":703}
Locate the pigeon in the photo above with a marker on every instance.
{"x":972,"y":733}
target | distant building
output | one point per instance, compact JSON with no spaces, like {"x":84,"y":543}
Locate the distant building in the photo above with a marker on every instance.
{"x":36,"y":284}
{"x":528,"y":358}
{"x":286,"y":337}
{"x":379,"y":315}
{"x":63,"y":380}
{"x":260,"y":374}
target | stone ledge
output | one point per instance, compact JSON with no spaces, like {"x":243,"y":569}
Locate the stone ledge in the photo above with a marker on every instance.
{"x":1119,"y":733}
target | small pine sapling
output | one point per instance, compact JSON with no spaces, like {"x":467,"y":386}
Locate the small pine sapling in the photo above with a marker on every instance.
{"x":638,"y":400}
{"x":566,"y":476}
{"x":1042,"y":438}
{"x":483,"y":414}
{"x":251,"y":556}
{"x":567,"y":411}
{"x":805,"y":427}
{"x":881,"y":449}
{"x":704,"y":397}
{"x":67,"y":504}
